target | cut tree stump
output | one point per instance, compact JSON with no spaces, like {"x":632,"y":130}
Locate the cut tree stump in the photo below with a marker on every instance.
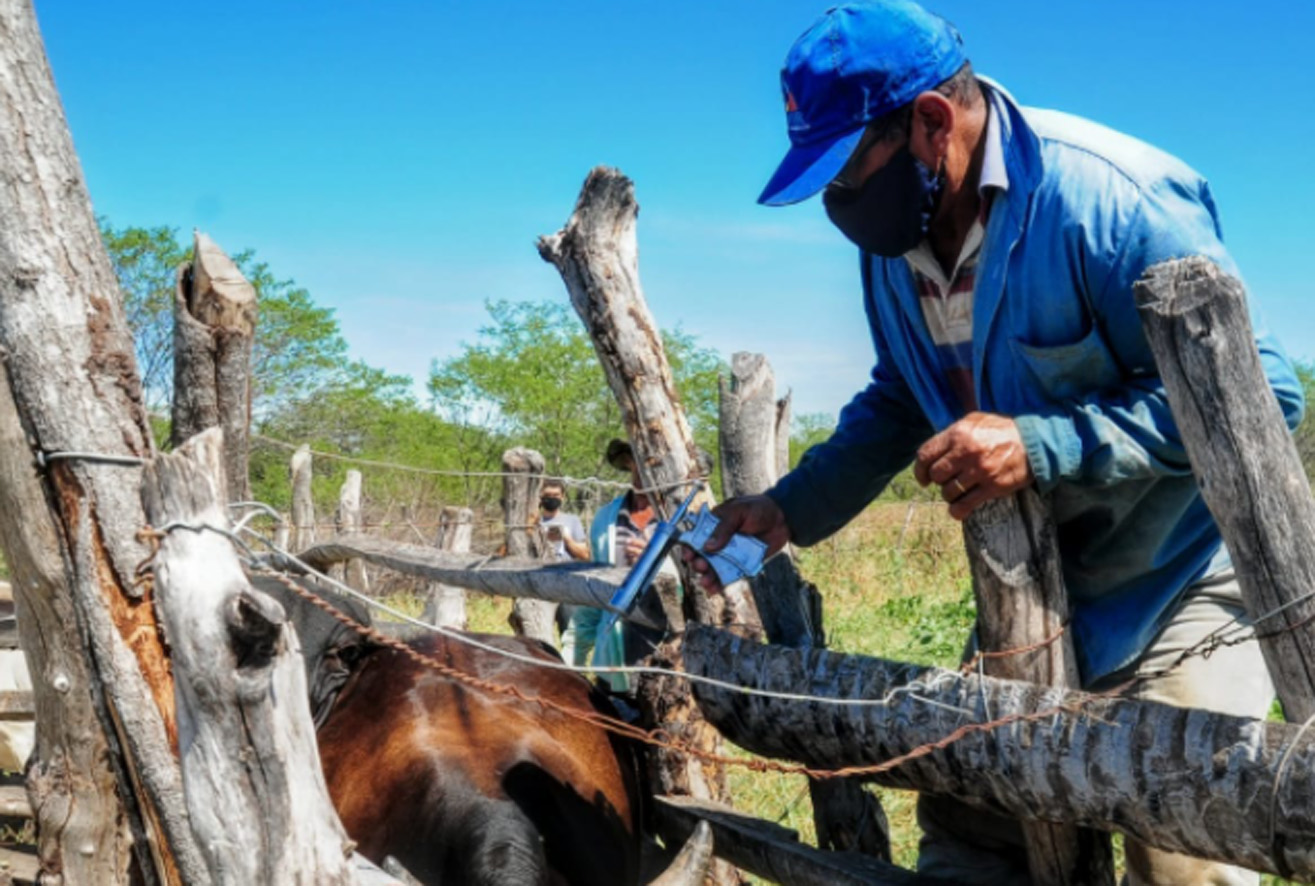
{"x":255,"y":792}
{"x":214,"y":328}
{"x":1252,"y":479}
{"x":597,"y":254}
{"x":753,"y":423}
{"x":523,"y":467}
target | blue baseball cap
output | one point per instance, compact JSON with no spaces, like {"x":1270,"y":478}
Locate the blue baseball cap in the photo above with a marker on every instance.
{"x":857,"y":63}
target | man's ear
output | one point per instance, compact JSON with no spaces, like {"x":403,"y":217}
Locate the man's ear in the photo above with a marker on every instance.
{"x":934,"y":119}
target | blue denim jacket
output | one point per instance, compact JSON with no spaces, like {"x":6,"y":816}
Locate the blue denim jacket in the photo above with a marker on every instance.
{"x":1057,"y":345}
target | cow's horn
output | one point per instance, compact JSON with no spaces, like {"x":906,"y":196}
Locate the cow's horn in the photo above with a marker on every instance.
{"x":690,"y":867}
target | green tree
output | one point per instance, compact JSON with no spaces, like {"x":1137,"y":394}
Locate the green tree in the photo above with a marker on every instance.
{"x":372,"y":415}
{"x":532,"y":378}
{"x":1305,"y":433}
{"x":298,"y":348}
{"x":145,"y":261}
{"x":807,"y":430}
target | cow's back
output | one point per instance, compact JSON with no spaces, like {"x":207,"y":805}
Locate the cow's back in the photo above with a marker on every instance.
{"x":432,"y":771}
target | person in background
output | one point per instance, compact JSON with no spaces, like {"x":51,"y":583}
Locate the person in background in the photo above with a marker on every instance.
{"x":563,"y":532}
{"x":619,"y":532}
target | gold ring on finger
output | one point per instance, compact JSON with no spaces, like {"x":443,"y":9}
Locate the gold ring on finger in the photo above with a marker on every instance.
{"x":958,"y":484}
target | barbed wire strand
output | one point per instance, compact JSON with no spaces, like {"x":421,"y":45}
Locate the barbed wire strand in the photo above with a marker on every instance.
{"x":659,"y":737}
{"x":443,"y":472}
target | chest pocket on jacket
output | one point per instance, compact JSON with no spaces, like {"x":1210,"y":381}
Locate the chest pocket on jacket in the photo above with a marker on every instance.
{"x":1067,"y":371}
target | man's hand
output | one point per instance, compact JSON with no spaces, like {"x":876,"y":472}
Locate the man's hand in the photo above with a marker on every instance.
{"x":633,"y":548}
{"x":755,"y":515}
{"x":975,"y":460}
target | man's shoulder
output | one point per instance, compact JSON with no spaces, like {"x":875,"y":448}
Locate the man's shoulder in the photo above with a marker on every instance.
{"x":1075,"y":145}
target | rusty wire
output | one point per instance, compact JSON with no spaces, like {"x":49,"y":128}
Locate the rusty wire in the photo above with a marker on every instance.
{"x":662,"y":739}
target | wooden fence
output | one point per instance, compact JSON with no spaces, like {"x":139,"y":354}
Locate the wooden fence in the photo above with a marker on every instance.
{"x":131,"y":770}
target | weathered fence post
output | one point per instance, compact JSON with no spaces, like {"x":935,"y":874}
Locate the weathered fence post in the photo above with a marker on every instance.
{"x":347,"y":521}
{"x":752,"y":424}
{"x":283,"y":534}
{"x":303,"y":502}
{"x":597,"y":255}
{"x":71,"y":782}
{"x":783,"y":435}
{"x":1203,"y":784}
{"x":251,"y":773}
{"x":447,"y":604}
{"x":520,"y":502}
{"x":68,"y":357}
{"x":1018,"y":583}
{"x":1197,"y":323}
{"x":214,"y":327}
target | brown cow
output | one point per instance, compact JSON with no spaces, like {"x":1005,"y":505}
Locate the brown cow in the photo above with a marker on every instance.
{"x":460,"y":785}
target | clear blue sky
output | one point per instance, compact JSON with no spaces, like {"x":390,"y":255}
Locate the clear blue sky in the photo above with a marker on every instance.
{"x":398,"y":159}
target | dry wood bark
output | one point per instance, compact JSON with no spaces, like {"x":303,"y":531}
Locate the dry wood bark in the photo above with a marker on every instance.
{"x":1197,"y":323}
{"x":70,"y":366}
{"x":1195,"y":782}
{"x":447,"y":603}
{"x":520,"y":508}
{"x":579,"y":584}
{"x":597,"y":254}
{"x":348,"y":522}
{"x":251,"y":772}
{"x":214,"y":327}
{"x":303,"y":502}
{"x":71,"y":782}
{"x":752,"y":422}
{"x":774,"y":853}
{"x":1018,"y":582}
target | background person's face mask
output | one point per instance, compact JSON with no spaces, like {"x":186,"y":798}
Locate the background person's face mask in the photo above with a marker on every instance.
{"x":890,"y":213}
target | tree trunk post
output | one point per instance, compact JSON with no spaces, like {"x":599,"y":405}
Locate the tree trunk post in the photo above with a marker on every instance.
{"x":447,"y":603}
{"x":520,"y":506}
{"x":1199,"y":329}
{"x":71,"y":779}
{"x":752,"y":424}
{"x":303,"y":502}
{"x":783,"y":435}
{"x":1195,"y":782}
{"x":348,"y":522}
{"x":283,"y":533}
{"x":214,"y":328}
{"x":597,"y":255}
{"x":1018,"y":583}
{"x":68,"y":358}
{"x":579,"y":584}
{"x":258,"y":802}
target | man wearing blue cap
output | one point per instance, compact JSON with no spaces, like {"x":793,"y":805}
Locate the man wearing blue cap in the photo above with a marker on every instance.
{"x":998,"y":251}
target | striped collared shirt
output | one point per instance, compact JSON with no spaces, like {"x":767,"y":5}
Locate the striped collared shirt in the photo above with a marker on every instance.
{"x":947,"y":300}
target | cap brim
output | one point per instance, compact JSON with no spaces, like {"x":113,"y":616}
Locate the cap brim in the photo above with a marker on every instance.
{"x":807,"y":170}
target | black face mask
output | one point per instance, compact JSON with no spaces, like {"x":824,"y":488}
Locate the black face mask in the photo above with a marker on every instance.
{"x":550,"y":503}
{"x":890,"y":213}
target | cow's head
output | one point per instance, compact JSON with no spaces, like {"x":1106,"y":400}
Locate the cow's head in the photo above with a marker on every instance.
{"x":331,"y":649}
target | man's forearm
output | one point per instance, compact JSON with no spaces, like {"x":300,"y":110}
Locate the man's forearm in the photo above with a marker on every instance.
{"x":579,"y":550}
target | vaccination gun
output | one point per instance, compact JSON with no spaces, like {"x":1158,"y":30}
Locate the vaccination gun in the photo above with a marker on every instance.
{"x":742,"y":557}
